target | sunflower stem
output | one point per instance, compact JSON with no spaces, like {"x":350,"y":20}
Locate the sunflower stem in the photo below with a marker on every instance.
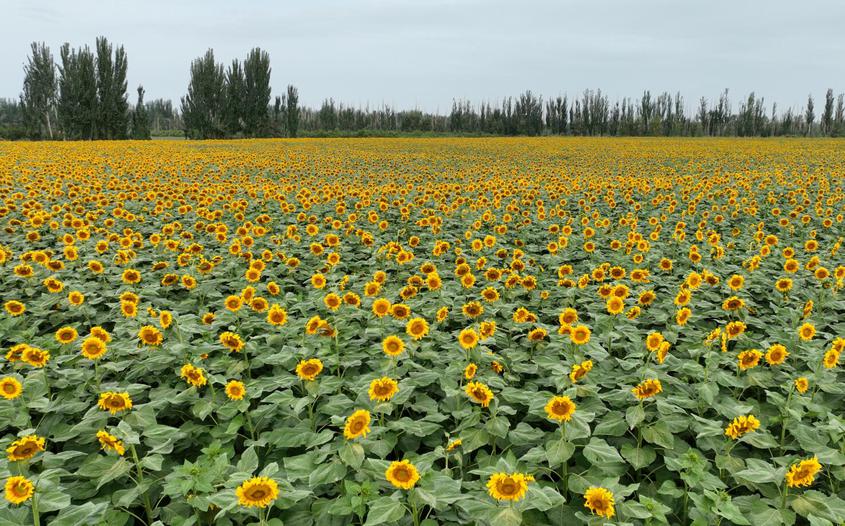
{"x":147,"y":505}
{"x":36,"y":518}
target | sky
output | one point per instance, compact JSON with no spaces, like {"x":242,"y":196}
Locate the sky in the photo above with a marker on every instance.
{"x":423,"y":54}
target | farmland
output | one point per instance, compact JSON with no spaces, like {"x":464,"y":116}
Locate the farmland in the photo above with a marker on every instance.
{"x":423,"y":331}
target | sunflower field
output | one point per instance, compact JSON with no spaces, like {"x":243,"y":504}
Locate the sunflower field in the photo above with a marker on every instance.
{"x":422,"y":331}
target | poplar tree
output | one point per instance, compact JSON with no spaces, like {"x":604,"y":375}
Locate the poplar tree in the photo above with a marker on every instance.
{"x":140,"y":119}
{"x":292,"y":111}
{"x":202,"y":106}
{"x":38,"y":99}
{"x":256,"y":93}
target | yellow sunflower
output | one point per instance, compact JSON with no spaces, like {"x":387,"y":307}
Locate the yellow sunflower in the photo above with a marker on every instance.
{"x":560,"y":408}
{"x":257,"y":492}
{"x":235,"y":390}
{"x":114,"y":402}
{"x":479,"y":393}
{"x":109,"y":442}
{"x":19,"y":489}
{"x":93,"y":348}
{"x":392,"y":345}
{"x":508,"y":486}
{"x":25,"y":448}
{"x":402,"y":474}
{"x":10,"y":387}
{"x":357,"y":425}
{"x":599,"y":501}
{"x":383,"y":389}
{"x":309,"y":369}
{"x":803,"y":473}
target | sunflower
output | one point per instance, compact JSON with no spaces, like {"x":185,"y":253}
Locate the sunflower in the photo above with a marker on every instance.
{"x":309,"y":369}
{"x":400,"y":311}
{"x":332,"y":301}
{"x":19,"y":489}
{"x":579,"y":334}
{"x":131,"y":276}
{"x":114,"y":402}
{"x":749,"y":359}
{"x":416,"y":328}
{"x":66,"y":335}
{"x":647,"y":389}
{"x":402,"y":474}
{"x":25,"y":448}
{"x":257,"y":492}
{"x":100,"y":333}
{"x":165,"y":319}
{"x":470,"y":370}
{"x":318,"y":281}
{"x":468,"y":338}
{"x":357,"y":424}
{"x":454,"y":444}
{"x":233,"y":303}
{"x":683,"y":315}
{"x":736,"y":282}
{"x":208,"y":318}
{"x":560,"y":408}
{"x":35,"y":357}
{"x":109,"y":442}
{"x":807,"y":331}
{"x":231,"y":341}
{"x":149,"y":335}
{"x":277,"y":315}
{"x":235,"y":390}
{"x":783,"y":285}
{"x":599,"y":501}
{"x":568,"y":316}
{"x":742,"y":425}
{"x":653,"y":341}
{"x":479,"y":393}
{"x":508,"y":486}
{"x":14,"y":307}
{"x":803,"y":473}
{"x":392,"y":345}
{"x":776,"y":354}
{"x":381,"y":307}
{"x":733,"y":303}
{"x":76,"y":298}
{"x":580,"y":370}
{"x":383,"y":389}
{"x":93,"y":348}
{"x":802,"y":384}
{"x":10,"y":387}
{"x":615,"y":305}
{"x":193,"y":375}
{"x":734,"y":329}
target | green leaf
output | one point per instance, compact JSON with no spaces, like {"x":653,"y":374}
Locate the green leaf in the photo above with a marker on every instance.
{"x":543,"y":498}
{"x":599,"y":453}
{"x":634,"y":415}
{"x":327,"y":473}
{"x":88,"y":513}
{"x":558,"y":451}
{"x":384,"y":510}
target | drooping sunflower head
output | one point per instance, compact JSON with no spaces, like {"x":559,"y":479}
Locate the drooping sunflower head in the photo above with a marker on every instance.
{"x":257,"y":492}
{"x":193,"y":375}
{"x":231,"y":341}
{"x":357,"y":425}
{"x":402,"y":474}
{"x":109,"y":442}
{"x":803,"y":473}
{"x":742,"y":425}
{"x":647,"y":389}
{"x":479,"y":393}
{"x":25,"y":448}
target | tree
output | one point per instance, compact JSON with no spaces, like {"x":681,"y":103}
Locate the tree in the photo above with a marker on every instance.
{"x":234,"y":109}
{"x":839,"y":117}
{"x":256,"y":93}
{"x":809,"y":115}
{"x":292,"y":111}
{"x":202,"y":106}
{"x":140,"y":119}
{"x":827,"y":116}
{"x":38,"y":98}
{"x":77,"y":103}
{"x":113,"y":109}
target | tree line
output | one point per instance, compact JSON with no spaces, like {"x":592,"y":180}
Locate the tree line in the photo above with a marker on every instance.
{"x":84,"y":96}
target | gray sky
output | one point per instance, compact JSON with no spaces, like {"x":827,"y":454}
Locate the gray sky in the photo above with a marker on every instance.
{"x":412,"y":53}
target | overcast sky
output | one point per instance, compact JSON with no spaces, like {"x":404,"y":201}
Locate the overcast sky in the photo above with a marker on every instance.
{"x":411,"y":53}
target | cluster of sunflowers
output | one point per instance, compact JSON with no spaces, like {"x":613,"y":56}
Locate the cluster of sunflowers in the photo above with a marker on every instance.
{"x":488,"y":331}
